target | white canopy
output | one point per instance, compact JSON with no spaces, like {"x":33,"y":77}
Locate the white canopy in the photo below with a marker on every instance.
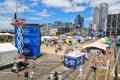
{"x":97,"y":45}
{"x":47,"y":37}
{"x":69,"y":37}
{"x":6,"y":47}
{"x":75,"y":54}
{"x":6,"y":34}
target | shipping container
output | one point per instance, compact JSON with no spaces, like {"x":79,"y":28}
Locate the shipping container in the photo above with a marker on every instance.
{"x":28,"y":31}
{"x":31,"y":51}
{"x":29,"y":41}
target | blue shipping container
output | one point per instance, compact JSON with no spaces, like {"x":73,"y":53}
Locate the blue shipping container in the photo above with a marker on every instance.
{"x":29,"y":31}
{"x":30,"y":41}
{"x":72,"y":62}
{"x":31,"y":51}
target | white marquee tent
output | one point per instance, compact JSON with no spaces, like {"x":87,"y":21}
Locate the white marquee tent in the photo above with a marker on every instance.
{"x":7,"y":53}
{"x":97,"y":45}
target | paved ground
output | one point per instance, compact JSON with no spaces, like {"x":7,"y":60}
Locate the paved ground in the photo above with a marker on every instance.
{"x":49,"y":62}
{"x":45,"y":64}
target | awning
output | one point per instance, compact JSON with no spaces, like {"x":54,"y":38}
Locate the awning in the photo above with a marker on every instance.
{"x":96,"y":45}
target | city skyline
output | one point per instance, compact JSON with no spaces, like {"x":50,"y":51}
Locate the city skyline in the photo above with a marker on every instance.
{"x":48,"y":11}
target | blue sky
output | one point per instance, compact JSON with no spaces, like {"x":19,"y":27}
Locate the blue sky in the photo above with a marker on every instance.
{"x":48,"y":11}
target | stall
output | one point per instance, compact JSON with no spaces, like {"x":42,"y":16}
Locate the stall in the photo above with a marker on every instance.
{"x":74,"y":59}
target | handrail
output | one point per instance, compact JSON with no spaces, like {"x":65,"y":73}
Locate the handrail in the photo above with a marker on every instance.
{"x":116,"y":61}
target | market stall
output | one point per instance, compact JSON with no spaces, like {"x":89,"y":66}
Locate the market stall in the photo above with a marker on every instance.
{"x":74,"y":59}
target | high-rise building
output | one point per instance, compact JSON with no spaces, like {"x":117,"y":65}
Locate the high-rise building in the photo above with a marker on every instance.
{"x":95,"y":18}
{"x":45,"y":29}
{"x":79,"y":21}
{"x":60,"y":23}
{"x":103,"y":12}
{"x":113,"y":25}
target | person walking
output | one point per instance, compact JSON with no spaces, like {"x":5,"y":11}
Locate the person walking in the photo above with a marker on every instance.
{"x":80,"y":72}
{"x":107,"y":64}
{"x":31,"y":74}
{"x":55,"y":76}
{"x":33,"y":63}
{"x":26,"y":75}
{"x":93,"y":66}
{"x":51,"y":76}
{"x":60,"y":76}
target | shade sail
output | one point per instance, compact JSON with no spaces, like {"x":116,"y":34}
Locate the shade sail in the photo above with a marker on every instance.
{"x":96,"y":45}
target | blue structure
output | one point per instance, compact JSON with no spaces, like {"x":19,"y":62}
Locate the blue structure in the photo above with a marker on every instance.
{"x":31,"y":39}
{"x":101,"y":34}
{"x":74,"y":59}
{"x":90,"y":32}
{"x":118,"y":40}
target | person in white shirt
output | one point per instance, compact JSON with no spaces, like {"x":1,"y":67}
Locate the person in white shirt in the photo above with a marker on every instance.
{"x":51,"y":76}
{"x":31,"y":75}
{"x":60,"y":76}
{"x":107,"y":64}
{"x":80,"y":72}
{"x":33,"y":63}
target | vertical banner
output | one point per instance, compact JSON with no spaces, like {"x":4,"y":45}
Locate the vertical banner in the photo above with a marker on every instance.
{"x":101,"y":33}
{"x":90,"y":32}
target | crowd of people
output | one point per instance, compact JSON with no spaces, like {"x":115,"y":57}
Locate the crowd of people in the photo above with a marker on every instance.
{"x":97,"y":54}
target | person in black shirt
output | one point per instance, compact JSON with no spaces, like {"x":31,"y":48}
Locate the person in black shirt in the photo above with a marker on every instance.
{"x":26,"y":75}
{"x":55,"y":76}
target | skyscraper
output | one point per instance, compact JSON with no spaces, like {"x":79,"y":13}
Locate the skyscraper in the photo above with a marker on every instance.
{"x":113,"y":25}
{"x":96,"y":18}
{"x":103,"y":12}
{"x":79,"y":20}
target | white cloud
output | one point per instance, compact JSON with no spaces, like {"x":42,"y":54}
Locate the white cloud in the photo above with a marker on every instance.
{"x":35,"y":18}
{"x":89,"y":19}
{"x":56,"y":3}
{"x":113,"y":5}
{"x":5,"y":22}
{"x":74,"y":9}
{"x":44,"y":13}
{"x":115,"y":8}
{"x":76,"y":5}
{"x":80,"y":1}
{"x":65,"y":5}
{"x":9,"y":6}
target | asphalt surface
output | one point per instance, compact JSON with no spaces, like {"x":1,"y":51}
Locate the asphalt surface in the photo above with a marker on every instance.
{"x":44,"y":65}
